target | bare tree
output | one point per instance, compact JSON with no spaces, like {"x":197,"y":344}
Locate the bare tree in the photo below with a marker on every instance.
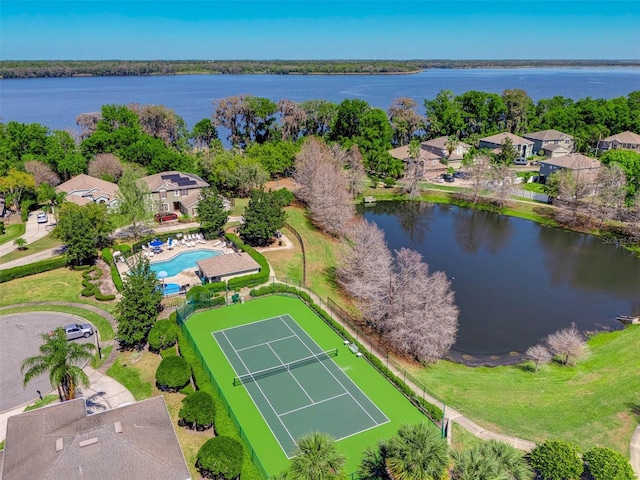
{"x":611,"y":191}
{"x":160,"y":122}
{"x":88,"y":122}
{"x":477,"y":165}
{"x":405,"y":121}
{"x":365,"y":269}
{"x":313,"y":153}
{"x":228,"y":114}
{"x":293,"y":119}
{"x":538,"y":354}
{"x":570,"y":188}
{"x":42,"y":173}
{"x":568,"y":343}
{"x":423,"y":318}
{"x":355,"y":173}
{"x":502,"y":181}
{"x":106,"y":166}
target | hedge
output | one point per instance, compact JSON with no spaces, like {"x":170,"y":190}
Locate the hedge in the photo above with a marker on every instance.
{"x":216,"y":286}
{"x":162,"y":335}
{"x":198,"y":411}
{"x":556,"y":460}
{"x":224,"y":424}
{"x":606,"y":464}
{"x":123,"y":248}
{"x":107,"y":256}
{"x":220,"y":458}
{"x":432,"y":411}
{"x":172,"y":374}
{"x":32,"y":268}
{"x":92,"y":290}
{"x":249,"y":280}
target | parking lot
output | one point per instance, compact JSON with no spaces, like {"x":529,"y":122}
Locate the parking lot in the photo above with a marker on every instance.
{"x":19,"y":339}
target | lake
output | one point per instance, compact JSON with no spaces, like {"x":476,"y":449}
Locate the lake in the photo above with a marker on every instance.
{"x":55,"y":102}
{"x":515,"y":281}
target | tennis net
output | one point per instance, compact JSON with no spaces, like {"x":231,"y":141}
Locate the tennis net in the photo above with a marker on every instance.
{"x":267,"y":372}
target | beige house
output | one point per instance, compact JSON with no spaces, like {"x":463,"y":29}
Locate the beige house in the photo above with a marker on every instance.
{"x":83,"y":189}
{"x":176,"y":192}
{"x":574,"y":161}
{"x":522,"y":146}
{"x":621,"y":141}
{"x":62,"y":441}
{"x":434,"y":156}
{"x":551,"y":143}
{"x":223,"y":267}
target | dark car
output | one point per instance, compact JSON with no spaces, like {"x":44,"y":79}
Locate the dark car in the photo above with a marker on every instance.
{"x":448,"y":178}
{"x":459,"y":175}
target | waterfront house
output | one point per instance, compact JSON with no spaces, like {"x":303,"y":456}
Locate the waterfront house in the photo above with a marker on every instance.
{"x":63,"y":441}
{"x":176,"y":192}
{"x":83,"y":189}
{"x":434,"y":157}
{"x":522,"y":146}
{"x":551,"y":143}
{"x":575,"y":162}
{"x":621,"y":141}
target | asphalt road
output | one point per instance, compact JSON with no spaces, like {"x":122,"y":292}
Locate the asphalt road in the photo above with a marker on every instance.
{"x":19,"y":339}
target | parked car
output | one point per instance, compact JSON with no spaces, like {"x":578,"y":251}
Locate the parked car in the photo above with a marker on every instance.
{"x":166,"y":217}
{"x":459,"y":175}
{"x":42,"y":217}
{"x":535,"y":163}
{"x":448,"y":178}
{"x":520,"y":161}
{"x":76,"y":330}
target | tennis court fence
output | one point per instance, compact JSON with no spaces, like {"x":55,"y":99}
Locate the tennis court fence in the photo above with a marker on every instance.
{"x":267,"y":372}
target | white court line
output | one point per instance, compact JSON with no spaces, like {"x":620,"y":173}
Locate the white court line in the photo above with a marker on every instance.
{"x":294,"y":378}
{"x":267,"y":400}
{"x":316,"y":403}
{"x":248,"y":324}
{"x":339,"y":382}
{"x":263,"y":343}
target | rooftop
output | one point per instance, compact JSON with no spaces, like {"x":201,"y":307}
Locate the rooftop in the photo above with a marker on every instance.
{"x":229,"y":264}
{"x":624,"y":137}
{"x":550,"y":134}
{"x":574,"y":161}
{"x":173,"y":181}
{"x":498,"y":138}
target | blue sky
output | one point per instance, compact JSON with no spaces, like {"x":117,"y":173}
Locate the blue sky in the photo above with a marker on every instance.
{"x":361,"y":29}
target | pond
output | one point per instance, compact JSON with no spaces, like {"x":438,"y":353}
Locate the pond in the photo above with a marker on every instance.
{"x":515,"y":281}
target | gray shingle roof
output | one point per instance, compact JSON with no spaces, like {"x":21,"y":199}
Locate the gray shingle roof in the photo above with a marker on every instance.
{"x":546,"y":135}
{"x":62,"y":441}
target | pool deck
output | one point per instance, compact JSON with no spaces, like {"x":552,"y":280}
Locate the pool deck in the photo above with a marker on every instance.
{"x":186,"y":277}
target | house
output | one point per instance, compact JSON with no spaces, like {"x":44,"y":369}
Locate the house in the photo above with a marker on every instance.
{"x":550,"y":142}
{"x":83,"y":189}
{"x":223,"y":267}
{"x":2,"y":209}
{"x":433,"y":155}
{"x":522,"y":146}
{"x":574,"y":161}
{"x":62,"y":441}
{"x":176,"y":192}
{"x":622,"y":141}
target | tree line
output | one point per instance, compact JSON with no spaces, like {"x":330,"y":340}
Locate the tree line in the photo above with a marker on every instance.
{"x":71,"y":68}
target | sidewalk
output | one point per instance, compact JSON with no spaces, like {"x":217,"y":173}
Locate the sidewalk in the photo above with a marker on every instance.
{"x":103,"y":393}
{"x":33,"y":231}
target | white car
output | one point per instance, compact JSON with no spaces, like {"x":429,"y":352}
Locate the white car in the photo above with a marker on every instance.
{"x":42,"y":217}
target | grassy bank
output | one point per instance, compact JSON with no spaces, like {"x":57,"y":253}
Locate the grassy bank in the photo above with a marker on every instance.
{"x":11,"y":232}
{"x":44,"y":243}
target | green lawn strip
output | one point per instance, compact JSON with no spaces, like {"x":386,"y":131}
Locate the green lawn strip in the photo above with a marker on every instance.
{"x":130,"y":378}
{"x":96,"y":361}
{"x":39,"y":245}
{"x":62,"y":285}
{"x":104,"y":327}
{"x":375,"y":386}
{"x":46,"y":400}
{"x":238,"y":207}
{"x":11,"y":232}
{"x":593,"y":403}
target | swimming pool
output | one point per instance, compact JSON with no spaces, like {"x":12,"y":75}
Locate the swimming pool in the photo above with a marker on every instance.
{"x":170,"y":288}
{"x":183,"y":261}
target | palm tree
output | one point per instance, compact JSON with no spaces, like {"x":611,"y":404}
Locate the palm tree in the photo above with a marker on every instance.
{"x":417,"y":452}
{"x":59,"y":357}
{"x":317,"y":458}
{"x":373,"y":465}
{"x":510,"y":459}
{"x":492,"y":460}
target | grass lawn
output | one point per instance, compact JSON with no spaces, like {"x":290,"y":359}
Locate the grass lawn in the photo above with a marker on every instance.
{"x":46,"y":400}
{"x":62,"y":284}
{"x":238,"y":207}
{"x":139,"y":377}
{"x":44,"y":243}
{"x":11,"y":232}
{"x":320,"y":252}
{"x":593,"y":403}
{"x":374,"y":385}
{"x":533,"y":187}
{"x":96,"y":361}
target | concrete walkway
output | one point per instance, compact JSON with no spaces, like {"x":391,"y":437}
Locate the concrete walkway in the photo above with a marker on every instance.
{"x":634,"y":451}
{"x":33,"y":231}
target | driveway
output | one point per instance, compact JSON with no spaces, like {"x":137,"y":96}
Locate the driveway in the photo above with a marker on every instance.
{"x":19,"y":339}
{"x":33,"y":231}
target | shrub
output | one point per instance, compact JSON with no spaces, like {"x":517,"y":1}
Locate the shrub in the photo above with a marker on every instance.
{"x":172,"y":374}
{"x":115,"y":275}
{"x":198,"y":411}
{"x":1,"y":228}
{"x":607,"y":464}
{"x":220,"y":457}
{"x":32,"y":268}
{"x":199,"y":292}
{"x":124,"y":248}
{"x":163,"y":334}
{"x":284,"y":196}
{"x":557,"y":460}
{"x":216,"y":286}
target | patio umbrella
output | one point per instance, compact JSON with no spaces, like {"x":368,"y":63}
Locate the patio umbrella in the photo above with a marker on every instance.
{"x":156,"y":243}
{"x":162,"y":275}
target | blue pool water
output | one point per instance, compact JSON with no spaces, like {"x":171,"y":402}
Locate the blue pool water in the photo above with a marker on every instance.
{"x":183,"y":261}
{"x":170,"y":288}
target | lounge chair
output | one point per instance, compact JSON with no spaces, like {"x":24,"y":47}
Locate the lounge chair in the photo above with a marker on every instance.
{"x":217,"y":243}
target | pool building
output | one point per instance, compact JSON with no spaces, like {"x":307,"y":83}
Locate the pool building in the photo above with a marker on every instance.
{"x":224,"y":267}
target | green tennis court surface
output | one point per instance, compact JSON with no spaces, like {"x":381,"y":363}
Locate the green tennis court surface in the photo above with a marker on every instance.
{"x":297,"y":387}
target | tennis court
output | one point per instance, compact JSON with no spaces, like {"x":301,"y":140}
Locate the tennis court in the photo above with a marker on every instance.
{"x":296,"y":386}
